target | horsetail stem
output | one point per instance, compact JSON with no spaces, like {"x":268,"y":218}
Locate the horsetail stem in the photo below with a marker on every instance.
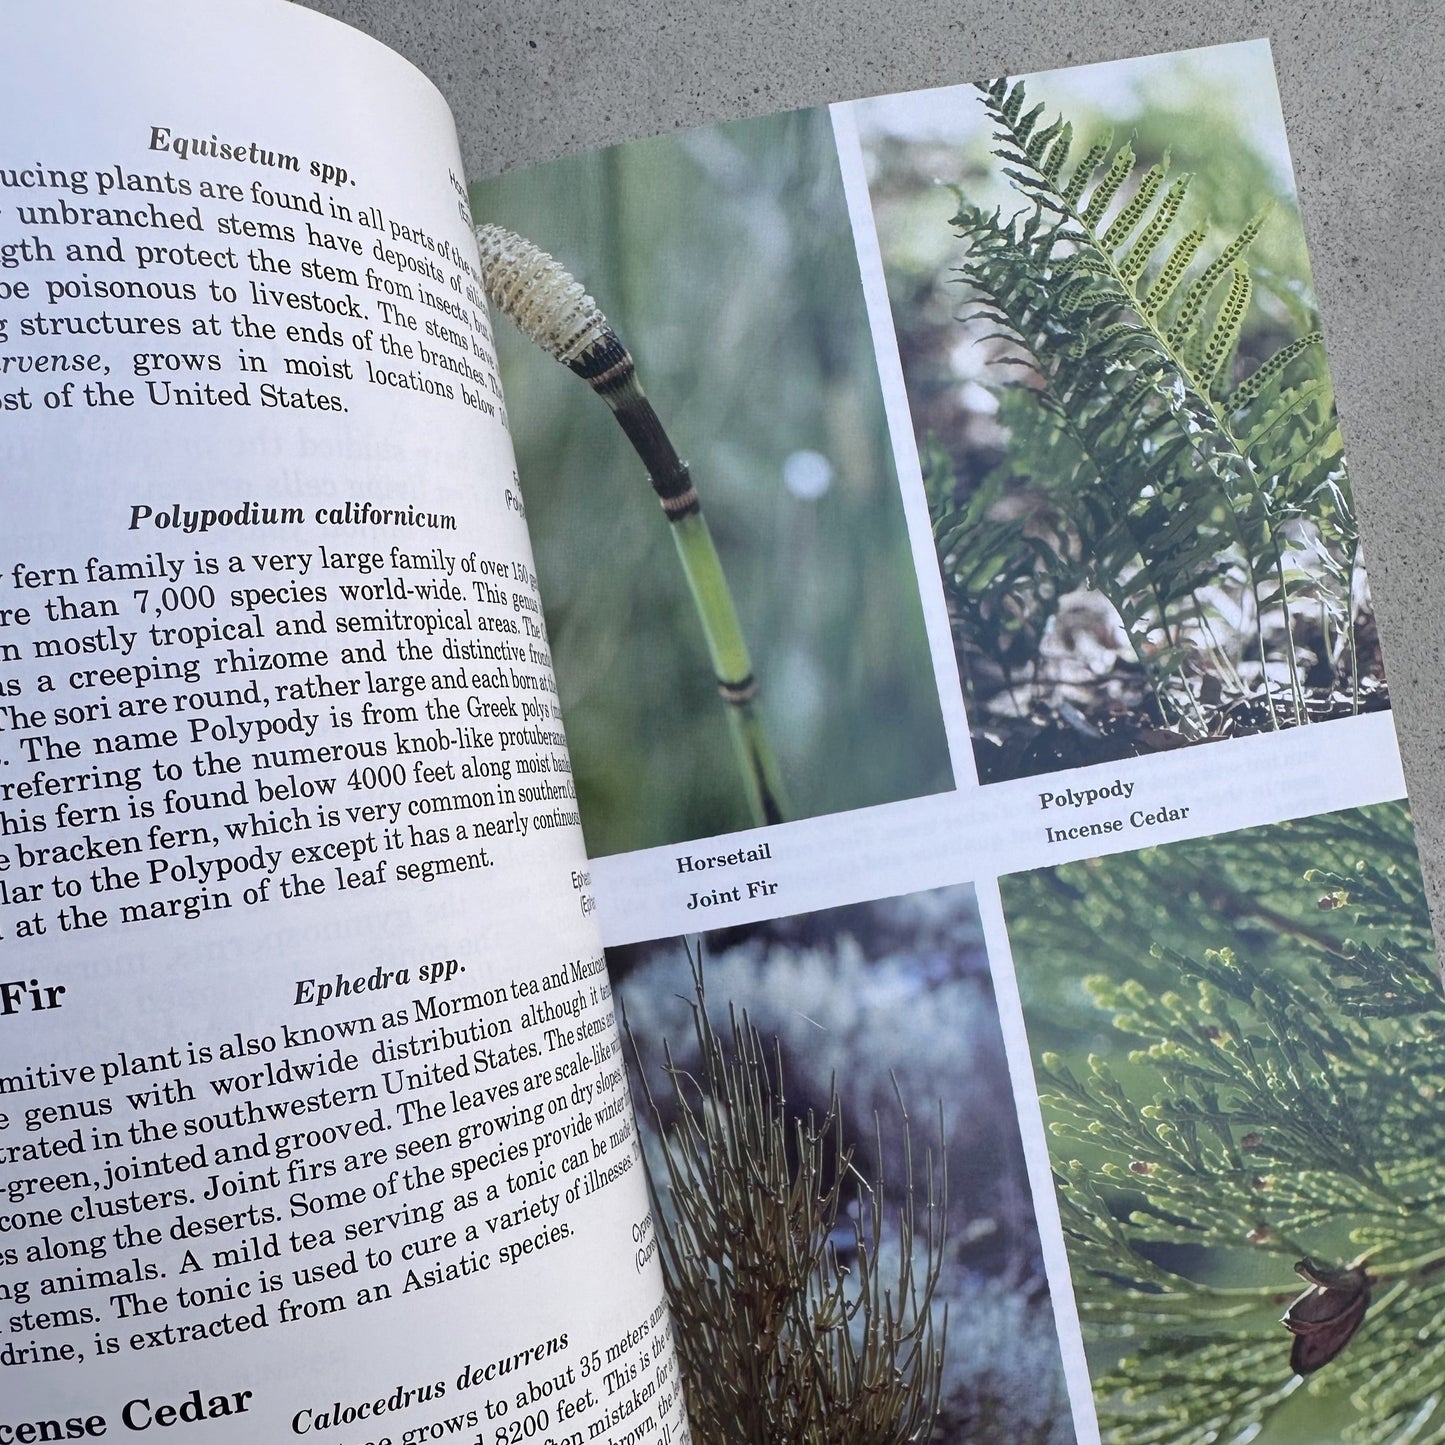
{"x":553,"y":310}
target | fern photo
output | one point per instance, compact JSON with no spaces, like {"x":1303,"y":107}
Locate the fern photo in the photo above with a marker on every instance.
{"x":1123,"y":411}
{"x":1239,"y":1045}
{"x":845,"y":1219}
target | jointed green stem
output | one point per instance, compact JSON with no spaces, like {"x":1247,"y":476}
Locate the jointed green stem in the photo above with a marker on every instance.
{"x":551,"y":308}
{"x":731,"y":664}
{"x":701,"y":565}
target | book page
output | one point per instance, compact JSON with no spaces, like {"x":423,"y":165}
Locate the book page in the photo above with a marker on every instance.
{"x":312,"y":1114}
{"x":1090,"y":882}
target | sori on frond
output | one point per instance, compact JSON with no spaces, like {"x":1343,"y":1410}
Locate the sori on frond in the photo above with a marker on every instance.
{"x":1171,"y":481}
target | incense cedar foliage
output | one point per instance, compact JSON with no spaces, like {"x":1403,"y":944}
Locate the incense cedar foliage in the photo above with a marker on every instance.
{"x":1212,"y":512}
{"x":1281,"y":1102}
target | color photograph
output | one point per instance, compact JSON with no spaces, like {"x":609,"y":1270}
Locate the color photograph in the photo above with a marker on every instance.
{"x":845,"y":1218}
{"x":1113,"y":359}
{"x":720,"y":541}
{"x":1238,"y":1047}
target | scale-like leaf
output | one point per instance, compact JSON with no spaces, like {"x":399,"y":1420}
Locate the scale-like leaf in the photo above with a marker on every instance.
{"x":1279,"y":1101}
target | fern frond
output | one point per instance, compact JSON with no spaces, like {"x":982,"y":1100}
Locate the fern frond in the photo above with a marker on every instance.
{"x":1169,"y":489}
{"x":1041,"y":141}
{"x":1108,"y":188}
{"x":1085,"y":170}
{"x":1268,"y":370}
{"x":1132,"y":266}
{"x":1025,"y":124}
{"x":1199,"y":292}
{"x":1013,"y":105}
{"x":1227,"y":326}
{"x":1130,"y":216}
{"x":1172,"y":272}
{"x":1053,"y":162}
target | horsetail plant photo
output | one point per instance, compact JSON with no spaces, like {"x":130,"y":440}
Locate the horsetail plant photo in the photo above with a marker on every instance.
{"x":723,"y":264}
{"x":549,"y":307}
{"x":1240,"y":1051}
{"x":1130,"y":446}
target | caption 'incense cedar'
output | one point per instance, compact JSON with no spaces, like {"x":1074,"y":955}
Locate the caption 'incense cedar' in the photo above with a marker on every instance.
{"x":553,"y":310}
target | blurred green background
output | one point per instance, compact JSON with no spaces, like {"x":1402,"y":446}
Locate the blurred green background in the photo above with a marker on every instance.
{"x":724,"y":259}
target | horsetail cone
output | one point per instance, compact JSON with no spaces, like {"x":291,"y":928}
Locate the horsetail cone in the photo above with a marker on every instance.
{"x":552,"y":309}
{"x":544,"y":302}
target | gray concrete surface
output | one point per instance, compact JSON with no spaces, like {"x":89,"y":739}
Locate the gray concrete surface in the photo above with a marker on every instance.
{"x":1359,"y":83}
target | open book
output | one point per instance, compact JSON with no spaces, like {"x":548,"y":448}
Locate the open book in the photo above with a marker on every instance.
{"x":991,"y":711}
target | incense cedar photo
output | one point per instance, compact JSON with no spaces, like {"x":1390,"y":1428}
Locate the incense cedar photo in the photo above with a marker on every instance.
{"x":1238,"y":1049}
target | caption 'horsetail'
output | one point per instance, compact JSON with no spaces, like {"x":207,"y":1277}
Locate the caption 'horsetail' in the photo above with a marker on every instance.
{"x":552,"y":309}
